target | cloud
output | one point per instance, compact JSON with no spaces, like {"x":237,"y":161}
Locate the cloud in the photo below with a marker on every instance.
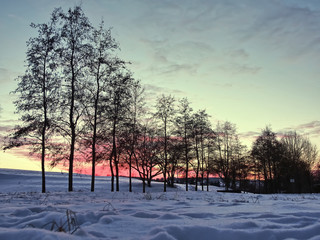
{"x":172,"y":57}
{"x":311,"y":129}
{"x":237,"y":68}
{"x":249,"y":134}
{"x":154,"y":89}
{"x":291,"y":30}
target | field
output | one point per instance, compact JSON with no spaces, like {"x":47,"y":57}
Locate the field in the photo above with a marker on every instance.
{"x":28,"y":214}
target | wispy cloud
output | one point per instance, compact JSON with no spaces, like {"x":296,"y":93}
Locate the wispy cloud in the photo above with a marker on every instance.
{"x":311,"y":128}
{"x":154,"y":90}
{"x":236,"y":68}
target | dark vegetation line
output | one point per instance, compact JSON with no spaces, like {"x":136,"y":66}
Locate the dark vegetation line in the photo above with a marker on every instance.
{"x":78,"y":100}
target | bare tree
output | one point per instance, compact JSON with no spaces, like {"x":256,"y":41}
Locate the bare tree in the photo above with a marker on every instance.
{"x":201,"y":128}
{"x":147,"y":152}
{"x":132,"y":126}
{"x":119,"y":96}
{"x":225,"y":143}
{"x":267,"y":150}
{"x":75,"y":48}
{"x":102,"y":64}
{"x":299,"y":158}
{"x":38,"y":91}
{"x":165,"y":112}
{"x":183,"y":126}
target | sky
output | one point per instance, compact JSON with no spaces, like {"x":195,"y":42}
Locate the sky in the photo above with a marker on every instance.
{"x":251,"y":62}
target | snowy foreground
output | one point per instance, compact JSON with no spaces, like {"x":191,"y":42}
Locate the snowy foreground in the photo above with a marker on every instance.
{"x":28,"y":214}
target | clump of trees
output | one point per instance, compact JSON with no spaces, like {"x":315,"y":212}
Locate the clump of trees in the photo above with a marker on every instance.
{"x":285,"y":165}
{"x":78,"y":101}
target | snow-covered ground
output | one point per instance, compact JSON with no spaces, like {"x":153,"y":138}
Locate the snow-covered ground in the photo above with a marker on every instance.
{"x":26,"y":213}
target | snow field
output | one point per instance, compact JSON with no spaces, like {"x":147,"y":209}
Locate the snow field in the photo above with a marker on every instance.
{"x":28,"y":214}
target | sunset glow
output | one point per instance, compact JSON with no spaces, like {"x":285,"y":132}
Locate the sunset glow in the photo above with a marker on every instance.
{"x":253,"y":63}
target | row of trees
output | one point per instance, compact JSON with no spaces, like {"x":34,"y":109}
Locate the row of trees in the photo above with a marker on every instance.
{"x":79,"y":102}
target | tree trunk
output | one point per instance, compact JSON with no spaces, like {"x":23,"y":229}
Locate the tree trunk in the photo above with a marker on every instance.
{"x":143,"y":181}
{"x":94,"y":137}
{"x":114,"y":154}
{"x":111,"y":170}
{"x":43,"y":140}
{"x":198,"y":166}
{"x":130,"y":170}
{"x":93,"y":173}
{"x":117,"y":157}
{"x":71,"y":158}
{"x":186,"y":156}
{"x":165,"y":158}
{"x":72,"y":124}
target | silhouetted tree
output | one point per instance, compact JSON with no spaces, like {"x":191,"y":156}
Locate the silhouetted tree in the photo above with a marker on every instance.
{"x":102,"y":64}
{"x":299,"y":157}
{"x":147,"y":151}
{"x":136,"y":112}
{"x":165,"y":112}
{"x":38,"y":91}
{"x":175,"y":152}
{"x":201,"y":128}
{"x":75,"y":49}
{"x":119,"y":96}
{"x":267,"y":151}
{"x":239,"y":164}
{"x":225,"y":143}
{"x":183,"y":126}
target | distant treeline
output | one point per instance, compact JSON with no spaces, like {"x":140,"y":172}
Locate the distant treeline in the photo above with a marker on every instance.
{"x":78,"y":100}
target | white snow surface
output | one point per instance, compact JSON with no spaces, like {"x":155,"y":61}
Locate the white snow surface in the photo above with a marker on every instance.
{"x":26,"y":213}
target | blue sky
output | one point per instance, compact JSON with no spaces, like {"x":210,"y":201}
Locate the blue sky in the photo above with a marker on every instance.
{"x":251,"y":62}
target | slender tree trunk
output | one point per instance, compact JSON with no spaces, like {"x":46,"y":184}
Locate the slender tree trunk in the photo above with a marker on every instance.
{"x":94,"y":137}
{"x":207,"y":180}
{"x":207,"y":167}
{"x":117,"y":157}
{"x":43,"y":140}
{"x":43,"y":160}
{"x":93,"y":173}
{"x":143,"y":180}
{"x":94,"y":140}
{"x":71,"y":158}
{"x":186,"y":156}
{"x":165,"y":157}
{"x":202,"y":164}
{"x":130,"y":172}
{"x":172,"y":175}
{"x":114,"y":154}
{"x":111,"y":170}
{"x":72,"y":127}
{"x":198,"y":165}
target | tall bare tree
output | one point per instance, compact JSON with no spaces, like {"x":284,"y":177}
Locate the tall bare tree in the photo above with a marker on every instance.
{"x":146,"y":154}
{"x":183,"y":127}
{"x":119,"y":96}
{"x":201,"y":128}
{"x":132,"y":125}
{"x":165,"y":112}
{"x":267,"y":151}
{"x":102,"y":64}
{"x":225,"y":144}
{"x":38,"y":91}
{"x":75,"y":34}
